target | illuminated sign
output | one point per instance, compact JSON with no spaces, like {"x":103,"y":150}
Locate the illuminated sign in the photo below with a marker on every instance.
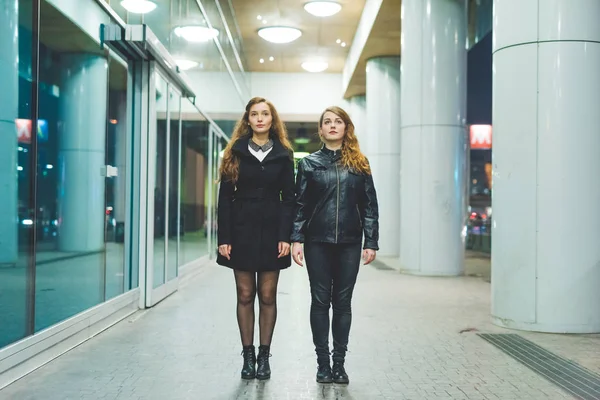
{"x":24,"y":127}
{"x":481,"y":137}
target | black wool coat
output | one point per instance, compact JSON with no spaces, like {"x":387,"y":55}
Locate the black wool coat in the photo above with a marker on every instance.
{"x":256,"y":213}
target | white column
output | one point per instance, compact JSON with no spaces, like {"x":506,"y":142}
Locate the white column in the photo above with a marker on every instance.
{"x":546,"y":235}
{"x":383,"y":146}
{"x":433,"y":136}
{"x":358,"y":113}
{"x":9,"y":105}
{"x":82,"y":143}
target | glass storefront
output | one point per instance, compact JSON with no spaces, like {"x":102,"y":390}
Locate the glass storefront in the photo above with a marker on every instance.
{"x":194,"y":193}
{"x":71,"y":188}
{"x":17,"y":160}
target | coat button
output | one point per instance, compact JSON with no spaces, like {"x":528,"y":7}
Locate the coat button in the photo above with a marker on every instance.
{"x":262,"y":167}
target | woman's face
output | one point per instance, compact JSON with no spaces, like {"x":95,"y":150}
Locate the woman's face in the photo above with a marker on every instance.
{"x":333,"y":127}
{"x":260,"y":118}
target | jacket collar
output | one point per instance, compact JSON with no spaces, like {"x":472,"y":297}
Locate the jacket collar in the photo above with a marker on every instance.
{"x":334,"y":154}
{"x":241,"y":148}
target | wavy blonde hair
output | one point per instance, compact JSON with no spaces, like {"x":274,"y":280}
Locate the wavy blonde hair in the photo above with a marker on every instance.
{"x":352,"y":157}
{"x":230,"y":166}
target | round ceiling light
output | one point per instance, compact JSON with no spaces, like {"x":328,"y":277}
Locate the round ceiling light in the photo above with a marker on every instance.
{"x":323,"y":8}
{"x":315,"y":66}
{"x":279,"y":34}
{"x":138,"y":6}
{"x":184,"y":65}
{"x":196,"y":33}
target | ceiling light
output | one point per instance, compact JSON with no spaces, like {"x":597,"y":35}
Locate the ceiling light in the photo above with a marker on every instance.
{"x":262,"y":60}
{"x":271,"y":58}
{"x":184,"y":65}
{"x":338,"y":41}
{"x":322,"y":8}
{"x":259,"y":17}
{"x":196,"y":33}
{"x":343,"y":44}
{"x":264,"y":21}
{"x":315,"y":66}
{"x":138,"y":6}
{"x":279,"y":34}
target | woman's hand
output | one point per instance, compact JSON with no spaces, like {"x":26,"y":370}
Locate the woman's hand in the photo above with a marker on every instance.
{"x":297,"y":253}
{"x":284,"y":249}
{"x":225,"y":251}
{"x":368,"y":256}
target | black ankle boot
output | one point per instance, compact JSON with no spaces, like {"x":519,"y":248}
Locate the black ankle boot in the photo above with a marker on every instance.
{"x":339,"y":373}
{"x":264,"y":369}
{"x":324,"y":374}
{"x":249,"y":367}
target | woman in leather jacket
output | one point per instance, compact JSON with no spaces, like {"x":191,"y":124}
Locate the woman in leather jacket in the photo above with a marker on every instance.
{"x":336,"y":204}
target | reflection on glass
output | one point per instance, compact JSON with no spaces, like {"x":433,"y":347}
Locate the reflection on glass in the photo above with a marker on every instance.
{"x":160,"y":183}
{"x":175,"y":115}
{"x":71,"y":188}
{"x":16,"y":203}
{"x":216,"y":149}
{"x":117,"y":277}
{"x":194,"y":183}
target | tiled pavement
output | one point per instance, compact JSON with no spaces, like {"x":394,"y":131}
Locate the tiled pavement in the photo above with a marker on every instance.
{"x":406,"y":343}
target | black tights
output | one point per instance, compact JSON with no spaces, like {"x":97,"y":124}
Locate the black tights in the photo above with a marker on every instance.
{"x":246,"y":284}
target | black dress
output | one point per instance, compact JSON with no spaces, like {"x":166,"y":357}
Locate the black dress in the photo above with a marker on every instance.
{"x":256,"y":213}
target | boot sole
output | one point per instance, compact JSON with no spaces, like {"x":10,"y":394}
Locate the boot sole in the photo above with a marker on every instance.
{"x":248,"y":377}
{"x":341,"y":381}
{"x":263,"y":378}
{"x":324,"y":380}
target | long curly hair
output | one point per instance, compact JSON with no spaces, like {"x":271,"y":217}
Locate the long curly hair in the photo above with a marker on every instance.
{"x":230,"y":166}
{"x":352,"y":157}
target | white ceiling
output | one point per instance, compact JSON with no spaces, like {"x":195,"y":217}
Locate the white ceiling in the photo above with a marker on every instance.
{"x":318,"y":38}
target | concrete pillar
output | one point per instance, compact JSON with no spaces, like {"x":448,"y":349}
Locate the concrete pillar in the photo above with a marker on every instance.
{"x":9,"y":106}
{"x":545,"y":227}
{"x":382,"y":141}
{"x":358,"y":113}
{"x":82,"y":143}
{"x":433,"y":136}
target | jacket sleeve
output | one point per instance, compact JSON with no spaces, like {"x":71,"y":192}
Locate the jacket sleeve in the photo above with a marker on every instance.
{"x":371,"y":215}
{"x":301,"y":211}
{"x":224,"y":218}
{"x":287,"y":201}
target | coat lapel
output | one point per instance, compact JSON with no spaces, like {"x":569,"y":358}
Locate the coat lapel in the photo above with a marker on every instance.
{"x":277,"y":152}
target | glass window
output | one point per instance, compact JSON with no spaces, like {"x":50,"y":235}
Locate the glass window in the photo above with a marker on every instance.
{"x":71,"y":186}
{"x":118,"y":277}
{"x":17,"y":161}
{"x":160,"y":183}
{"x":174,"y":176}
{"x":194,"y":193}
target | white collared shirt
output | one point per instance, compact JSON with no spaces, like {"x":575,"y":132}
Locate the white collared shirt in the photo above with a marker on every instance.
{"x":260,"y":155}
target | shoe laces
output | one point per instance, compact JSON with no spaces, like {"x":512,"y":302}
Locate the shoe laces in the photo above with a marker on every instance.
{"x":338,"y":368}
{"x":263,"y":357}
{"x":249,"y":356}
{"x":323,"y":369}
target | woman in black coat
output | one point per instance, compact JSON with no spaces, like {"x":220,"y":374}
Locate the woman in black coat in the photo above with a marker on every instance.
{"x":336,"y":207}
{"x":256,"y":201}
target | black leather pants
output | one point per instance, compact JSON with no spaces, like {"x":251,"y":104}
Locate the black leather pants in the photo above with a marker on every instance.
{"x":332,"y":270}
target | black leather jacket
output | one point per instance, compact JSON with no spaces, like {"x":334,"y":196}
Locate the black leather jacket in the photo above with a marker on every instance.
{"x":334,"y":204}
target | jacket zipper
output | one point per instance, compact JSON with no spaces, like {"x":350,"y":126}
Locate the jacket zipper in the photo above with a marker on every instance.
{"x":337,"y":206}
